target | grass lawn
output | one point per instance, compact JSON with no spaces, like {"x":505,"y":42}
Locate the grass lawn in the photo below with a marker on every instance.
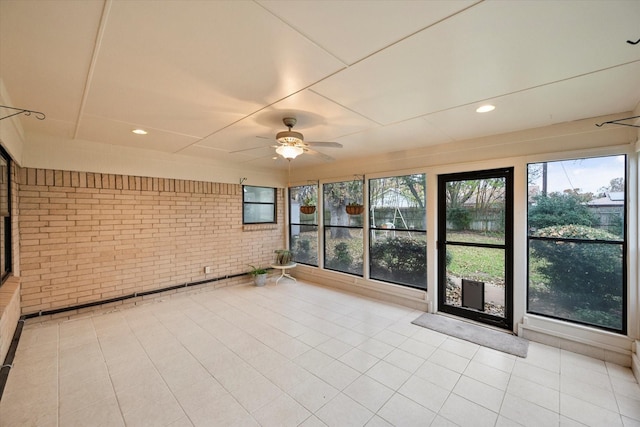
{"x":483,"y":264}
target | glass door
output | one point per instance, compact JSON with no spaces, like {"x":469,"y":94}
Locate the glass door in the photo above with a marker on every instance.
{"x":475,"y":245}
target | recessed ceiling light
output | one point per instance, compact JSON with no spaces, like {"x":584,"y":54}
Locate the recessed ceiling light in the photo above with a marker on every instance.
{"x":139,"y":131}
{"x":485,"y":108}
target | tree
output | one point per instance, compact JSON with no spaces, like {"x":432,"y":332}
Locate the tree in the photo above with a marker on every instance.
{"x":416,"y":185}
{"x":615,"y":185}
{"x":490,"y":192}
{"x":482,"y":194}
{"x":458,"y":192}
{"x":337,"y":196}
{"x":559,"y":209}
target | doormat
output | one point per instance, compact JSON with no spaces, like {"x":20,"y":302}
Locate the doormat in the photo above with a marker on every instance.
{"x":501,"y":341}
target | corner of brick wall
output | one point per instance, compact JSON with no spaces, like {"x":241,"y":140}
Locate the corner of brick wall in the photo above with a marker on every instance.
{"x":87,"y":237}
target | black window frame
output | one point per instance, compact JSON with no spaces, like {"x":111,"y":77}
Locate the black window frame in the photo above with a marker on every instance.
{"x":6,"y":221}
{"x":301,"y":224}
{"x":327,"y":227}
{"x":373,"y":228}
{"x":624,"y":249}
{"x":246,"y":203}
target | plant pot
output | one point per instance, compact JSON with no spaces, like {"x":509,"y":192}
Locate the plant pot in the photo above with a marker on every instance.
{"x":283,"y":256}
{"x":354,"y":209}
{"x":260,"y":279}
{"x":307,"y":210}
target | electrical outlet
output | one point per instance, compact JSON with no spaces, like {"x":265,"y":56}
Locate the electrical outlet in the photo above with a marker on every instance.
{"x":207,"y":270}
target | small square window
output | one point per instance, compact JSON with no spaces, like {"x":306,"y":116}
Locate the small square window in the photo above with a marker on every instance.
{"x":258,"y":205}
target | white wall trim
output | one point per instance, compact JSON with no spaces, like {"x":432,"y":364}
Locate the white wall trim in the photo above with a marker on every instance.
{"x":604,"y":340}
{"x":396,"y":294}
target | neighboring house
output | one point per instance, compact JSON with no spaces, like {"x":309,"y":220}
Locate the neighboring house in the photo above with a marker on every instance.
{"x":609,"y":209}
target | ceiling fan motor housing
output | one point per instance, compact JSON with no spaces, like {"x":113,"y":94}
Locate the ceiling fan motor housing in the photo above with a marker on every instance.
{"x":289,"y":122}
{"x":289,"y":137}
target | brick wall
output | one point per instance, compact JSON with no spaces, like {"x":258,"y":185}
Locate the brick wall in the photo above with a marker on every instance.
{"x":87,"y":237}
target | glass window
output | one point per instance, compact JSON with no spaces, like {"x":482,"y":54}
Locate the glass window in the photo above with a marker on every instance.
{"x":303,"y":224}
{"x":343,"y":216}
{"x":577,"y":246}
{"x":397,"y":242}
{"x":5,"y":215}
{"x":259,"y":205}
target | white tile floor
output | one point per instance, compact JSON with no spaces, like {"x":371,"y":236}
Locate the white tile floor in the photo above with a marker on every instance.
{"x":295,"y":354}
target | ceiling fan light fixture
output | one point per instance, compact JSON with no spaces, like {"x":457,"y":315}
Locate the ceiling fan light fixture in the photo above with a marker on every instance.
{"x":289,"y":152}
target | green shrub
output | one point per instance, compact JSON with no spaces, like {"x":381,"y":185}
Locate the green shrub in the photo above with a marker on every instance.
{"x":559,"y":209}
{"x":582,"y":278}
{"x":342,"y":259}
{"x":459,"y":218}
{"x":399,"y":260}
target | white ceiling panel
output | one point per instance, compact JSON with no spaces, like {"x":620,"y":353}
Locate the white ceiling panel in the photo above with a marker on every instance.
{"x":197,"y":66}
{"x":263,"y":157}
{"x":319,"y":119}
{"x":410,"y":134}
{"x":45,"y":53}
{"x":114,"y":132}
{"x":214,"y":79}
{"x":491,"y":49}
{"x":599,"y":94}
{"x":353,"y":34}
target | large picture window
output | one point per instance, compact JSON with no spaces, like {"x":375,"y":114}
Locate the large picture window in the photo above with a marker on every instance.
{"x":303,"y":224}
{"x":258,"y":205}
{"x":343,"y":213}
{"x":577,"y":245}
{"x":397,"y":242}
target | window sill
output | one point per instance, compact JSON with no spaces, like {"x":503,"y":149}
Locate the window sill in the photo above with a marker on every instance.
{"x":259,"y":227}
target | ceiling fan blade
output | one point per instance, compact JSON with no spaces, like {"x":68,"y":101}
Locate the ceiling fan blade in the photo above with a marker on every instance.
{"x":248,"y":149}
{"x":260,"y":158}
{"x":319,"y":154}
{"x":324,"y":144}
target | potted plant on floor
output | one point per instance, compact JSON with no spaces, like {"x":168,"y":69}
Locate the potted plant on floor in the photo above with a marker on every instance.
{"x":259,"y":275}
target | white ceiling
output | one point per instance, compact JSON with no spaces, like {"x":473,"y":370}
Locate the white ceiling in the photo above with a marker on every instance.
{"x":214,"y":79}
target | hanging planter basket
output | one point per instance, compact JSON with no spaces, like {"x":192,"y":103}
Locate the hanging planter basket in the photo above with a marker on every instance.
{"x":307,"y":210}
{"x":354,"y":209}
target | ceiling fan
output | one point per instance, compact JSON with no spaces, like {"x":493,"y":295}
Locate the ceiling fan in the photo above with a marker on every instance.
{"x":291,"y":143}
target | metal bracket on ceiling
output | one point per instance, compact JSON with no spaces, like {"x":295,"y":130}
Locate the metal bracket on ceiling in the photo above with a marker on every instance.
{"x":617,"y":122}
{"x":38,"y":114}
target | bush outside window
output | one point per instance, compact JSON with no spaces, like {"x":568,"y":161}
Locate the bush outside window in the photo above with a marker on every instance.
{"x":577,"y":246}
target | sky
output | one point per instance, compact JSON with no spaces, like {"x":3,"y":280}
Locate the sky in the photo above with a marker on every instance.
{"x":589,"y":175}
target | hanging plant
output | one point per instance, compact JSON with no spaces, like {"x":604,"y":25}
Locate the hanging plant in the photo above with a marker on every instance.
{"x":308,"y":206}
{"x":307,"y":210}
{"x":354,"y":208}
{"x":355,"y":193}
